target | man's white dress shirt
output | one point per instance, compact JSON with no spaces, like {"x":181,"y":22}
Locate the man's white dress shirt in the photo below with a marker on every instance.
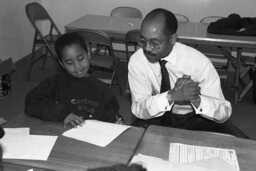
{"x":145,"y":82}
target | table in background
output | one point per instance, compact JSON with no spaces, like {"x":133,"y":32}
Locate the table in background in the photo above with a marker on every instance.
{"x":156,"y":142}
{"x":190,"y":32}
{"x":71,"y":154}
{"x":116,"y":27}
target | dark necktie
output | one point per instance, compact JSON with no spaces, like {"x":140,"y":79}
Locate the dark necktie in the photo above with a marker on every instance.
{"x":166,"y":119}
{"x":165,"y":84}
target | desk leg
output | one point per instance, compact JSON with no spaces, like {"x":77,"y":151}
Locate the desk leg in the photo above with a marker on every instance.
{"x":237,"y":72}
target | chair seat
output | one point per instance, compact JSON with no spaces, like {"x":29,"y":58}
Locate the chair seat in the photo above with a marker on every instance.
{"x":102,"y":61}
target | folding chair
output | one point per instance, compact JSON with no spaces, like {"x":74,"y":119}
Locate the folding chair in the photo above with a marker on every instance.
{"x":123,"y":12}
{"x":181,"y":18}
{"x":37,"y":14}
{"x":131,"y":46}
{"x":126,"y":12}
{"x":104,"y":61}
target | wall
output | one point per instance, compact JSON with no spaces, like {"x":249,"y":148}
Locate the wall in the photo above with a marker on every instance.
{"x":65,"y":11}
{"x":16,"y":33}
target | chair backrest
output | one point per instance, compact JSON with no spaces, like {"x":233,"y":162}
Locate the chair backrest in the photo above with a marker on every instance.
{"x":126,"y":12}
{"x":210,"y":19}
{"x":181,"y":18}
{"x":94,"y":38}
{"x":36,"y":12}
{"x":131,"y":40}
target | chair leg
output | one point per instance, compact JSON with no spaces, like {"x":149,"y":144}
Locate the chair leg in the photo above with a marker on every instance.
{"x":31,"y":62}
{"x":45,"y":57}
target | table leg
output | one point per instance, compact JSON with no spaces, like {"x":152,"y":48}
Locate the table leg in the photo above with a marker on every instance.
{"x":237,"y":73}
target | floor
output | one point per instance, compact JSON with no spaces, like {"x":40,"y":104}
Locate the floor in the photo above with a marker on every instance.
{"x":243,"y":115}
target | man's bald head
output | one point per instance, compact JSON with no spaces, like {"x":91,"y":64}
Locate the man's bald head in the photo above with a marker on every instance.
{"x":162,"y":17}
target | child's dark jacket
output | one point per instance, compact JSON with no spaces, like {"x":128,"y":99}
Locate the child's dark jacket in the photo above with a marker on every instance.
{"x":62,"y":94}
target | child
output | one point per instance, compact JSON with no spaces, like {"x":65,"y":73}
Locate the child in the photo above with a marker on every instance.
{"x":73,"y":95}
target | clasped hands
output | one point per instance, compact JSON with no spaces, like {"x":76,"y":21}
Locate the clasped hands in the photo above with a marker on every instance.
{"x":185,"y":91}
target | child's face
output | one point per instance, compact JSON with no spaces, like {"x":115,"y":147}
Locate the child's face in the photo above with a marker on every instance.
{"x":75,"y":61}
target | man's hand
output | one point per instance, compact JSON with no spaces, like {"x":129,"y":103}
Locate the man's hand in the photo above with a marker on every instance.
{"x":73,"y":119}
{"x":185,"y":90}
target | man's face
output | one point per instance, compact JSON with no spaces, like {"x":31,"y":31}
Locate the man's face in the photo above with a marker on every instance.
{"x":156,"y":43}
{"x":75,"y":61}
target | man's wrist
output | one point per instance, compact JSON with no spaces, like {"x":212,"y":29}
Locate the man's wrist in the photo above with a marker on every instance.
{"x":196,"y":102}
{"x":170,"y":96}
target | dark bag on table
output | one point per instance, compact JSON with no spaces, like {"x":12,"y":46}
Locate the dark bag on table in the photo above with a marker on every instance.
{"x":234,"y":25}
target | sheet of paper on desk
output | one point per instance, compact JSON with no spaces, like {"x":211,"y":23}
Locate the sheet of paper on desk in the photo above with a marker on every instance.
{"x":154,"y":163}
{"x":18,"y":144}
{"x":96,"y":132}
{"x":17,"y":131}
{"x":182,"y":153}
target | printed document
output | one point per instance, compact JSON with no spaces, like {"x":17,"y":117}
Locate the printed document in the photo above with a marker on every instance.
{"x":154,"y":163}
{"x":182,"y":153}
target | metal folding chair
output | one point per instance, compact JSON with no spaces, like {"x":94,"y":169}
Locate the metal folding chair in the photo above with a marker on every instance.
{"x":126,"y":12}
{"x":181,"y":18}
{"x":103,"y":60}
{"x":37,"y":14}
{"x":131,"y":46}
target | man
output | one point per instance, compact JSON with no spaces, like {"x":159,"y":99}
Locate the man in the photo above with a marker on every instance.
{"x":190,"y":96}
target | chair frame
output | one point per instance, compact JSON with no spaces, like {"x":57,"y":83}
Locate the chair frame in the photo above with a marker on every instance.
{"x":126,"y":12}
{"x":36,"y":12}
{"x":185,"y":18}
{"x":98,"y":40}
{"x":130,"y":40}
{"x":215,"y":17}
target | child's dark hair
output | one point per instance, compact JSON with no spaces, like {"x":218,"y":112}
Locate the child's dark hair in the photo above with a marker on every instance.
{"x":69,"y":39}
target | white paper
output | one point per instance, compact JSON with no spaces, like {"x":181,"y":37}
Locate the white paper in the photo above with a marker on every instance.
{"x":96,"y":132}
{"x":153,"y":164}
{"x":17,"y":131}
{"x":182,"y":153}
{"x":40,"y":146}
{"x":18,"y":144}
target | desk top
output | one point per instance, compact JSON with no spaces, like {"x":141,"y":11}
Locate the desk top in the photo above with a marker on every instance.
{"x":191,"y":32}
{"x":109,"y":24}
{"x":71,"y":154}
{"x":157,"y":139}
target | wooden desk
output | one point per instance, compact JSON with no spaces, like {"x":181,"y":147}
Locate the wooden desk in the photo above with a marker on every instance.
{"x":157,"y":139}
{"x":14,"y":167}
{"x":70,"y":154}
{"x":191,"y":32}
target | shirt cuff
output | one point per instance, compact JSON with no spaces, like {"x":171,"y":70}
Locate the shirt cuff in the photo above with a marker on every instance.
{"x":203,"y":106}
{"x":163,"y":103}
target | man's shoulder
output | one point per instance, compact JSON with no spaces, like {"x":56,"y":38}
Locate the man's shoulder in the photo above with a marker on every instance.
{"x":190,"y":54}
{"x":137,"y":56}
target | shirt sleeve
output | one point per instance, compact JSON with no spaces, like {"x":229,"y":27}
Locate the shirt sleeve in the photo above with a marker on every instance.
{"x":40,"y":102}
{"x":213,"y":104}
{"x":145,"y":103}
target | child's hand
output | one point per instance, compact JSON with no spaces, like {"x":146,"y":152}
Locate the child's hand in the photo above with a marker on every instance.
{"x":120,"y":121}
{"x":73,"y":119}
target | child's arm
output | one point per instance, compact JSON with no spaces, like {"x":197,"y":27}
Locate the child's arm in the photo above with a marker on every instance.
{"x":40,"y":102}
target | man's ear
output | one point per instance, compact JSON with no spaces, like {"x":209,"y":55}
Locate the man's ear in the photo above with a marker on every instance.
{"x":173,"y":38}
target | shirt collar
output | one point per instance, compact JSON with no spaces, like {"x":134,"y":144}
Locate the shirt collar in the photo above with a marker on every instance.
{"x":172,"y":57}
